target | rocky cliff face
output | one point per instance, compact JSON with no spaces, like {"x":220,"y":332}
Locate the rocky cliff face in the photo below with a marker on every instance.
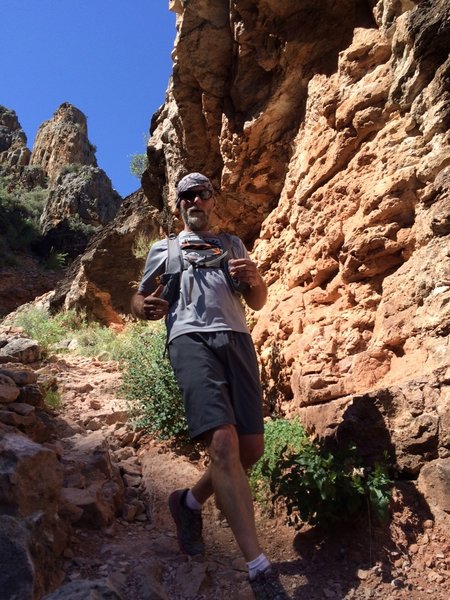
{"x":14,"y":153}
{"x":102,"y":280}
{"x":65,"y":159}
{"x":84,"y":191}
{"x":326,"y":129}
{"x":63,"y":140}
{"x":77,"y":187}
{"x":13,"y":141}
{"x":79,"y":197}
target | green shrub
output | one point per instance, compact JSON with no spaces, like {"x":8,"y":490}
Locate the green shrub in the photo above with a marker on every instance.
{"x":102,"y":342}
{"x":55,"y":261}
{"x":20,"y":211}
{"x":150,"y":387}
{"x":70,"y":168}
{"x":48,"y":330}
{"x":91,"y":338}
{"x":75,"y":224}
{"x":318,"y":486}
{"x":34,"y":201}
{"x":138,"y":164}
{"x":52,"y":398}
{"x":279,"y":434}
{"x":141,"y":245}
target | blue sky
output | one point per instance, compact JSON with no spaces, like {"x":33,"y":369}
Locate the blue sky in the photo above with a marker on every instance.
{"x":109,"y":58}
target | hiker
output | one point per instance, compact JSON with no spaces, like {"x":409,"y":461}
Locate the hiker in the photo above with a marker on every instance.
{"x":214,"y":361}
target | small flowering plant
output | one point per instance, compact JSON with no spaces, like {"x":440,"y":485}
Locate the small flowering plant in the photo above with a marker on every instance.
{"x":318,"y":486}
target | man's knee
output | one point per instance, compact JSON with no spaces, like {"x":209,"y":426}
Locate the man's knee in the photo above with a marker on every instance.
{"x":251,"y":449}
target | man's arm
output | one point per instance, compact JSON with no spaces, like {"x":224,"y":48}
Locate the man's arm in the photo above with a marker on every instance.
{"x":244,"y":269}
{"x":256,"y":295}
{"x":145,"y":303}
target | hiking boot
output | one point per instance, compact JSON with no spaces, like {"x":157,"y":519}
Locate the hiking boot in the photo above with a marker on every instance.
{"x":267,"y":586}
{"x":189,"y":524}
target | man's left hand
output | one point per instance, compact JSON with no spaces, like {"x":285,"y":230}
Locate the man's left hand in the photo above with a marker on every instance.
{"x":244,"y":269}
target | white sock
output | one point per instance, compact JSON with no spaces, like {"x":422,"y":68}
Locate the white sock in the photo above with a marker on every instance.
{"x":260,"y":563}
{"x":191,"y":501}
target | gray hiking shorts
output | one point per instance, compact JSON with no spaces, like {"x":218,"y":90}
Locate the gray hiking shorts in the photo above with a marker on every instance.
{"x":219,"y":378}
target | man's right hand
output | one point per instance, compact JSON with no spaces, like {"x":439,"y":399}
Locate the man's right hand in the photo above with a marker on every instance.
{"x":150,"y":307}
{"x":154,"y":307}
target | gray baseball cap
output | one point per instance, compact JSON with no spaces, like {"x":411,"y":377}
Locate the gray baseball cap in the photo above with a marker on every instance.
{"x":192,"y":180}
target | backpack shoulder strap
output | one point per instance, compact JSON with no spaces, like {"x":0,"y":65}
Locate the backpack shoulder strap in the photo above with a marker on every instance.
{"x":174,"y":262}
{"x":227,"y":245}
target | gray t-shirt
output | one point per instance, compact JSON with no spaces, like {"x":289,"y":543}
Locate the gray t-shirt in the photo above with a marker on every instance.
{"x":206,"y":301}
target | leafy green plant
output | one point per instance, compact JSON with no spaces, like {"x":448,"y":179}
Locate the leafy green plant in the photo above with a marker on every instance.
{"x":378,"y":486}
{"x":48,"y":330}
{"x":138,"y":164}
{"x":279,"y":434}
{"x":318,"y":486}
{"x":70,"y":168}
{"x":53,"y":332}
{"x":150,"y":387}
{"x":52,"y":397}
{"x":55,"y":261}
{"x":141,"y":245}
{"x":20,"y":211}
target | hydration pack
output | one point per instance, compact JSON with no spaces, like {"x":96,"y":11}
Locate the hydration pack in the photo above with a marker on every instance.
{"x":198,"y":256}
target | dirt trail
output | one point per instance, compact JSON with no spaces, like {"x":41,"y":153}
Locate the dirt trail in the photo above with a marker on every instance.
{"x":142,"y":560}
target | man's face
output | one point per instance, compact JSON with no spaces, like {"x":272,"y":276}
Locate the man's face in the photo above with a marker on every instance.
{"x":196,"y":211}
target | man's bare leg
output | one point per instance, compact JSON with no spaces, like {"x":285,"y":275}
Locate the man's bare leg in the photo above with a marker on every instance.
{"x":251,"y":448}
{"x":239,"y":452}
{"x":230,"y":484}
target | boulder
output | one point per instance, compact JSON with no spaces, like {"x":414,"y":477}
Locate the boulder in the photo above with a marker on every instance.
{"x":92,"y":481}
{"x":23,"y":349}
{"x":30,"y":476}
{"x":434,"y":484}
{"x":9,"y":391}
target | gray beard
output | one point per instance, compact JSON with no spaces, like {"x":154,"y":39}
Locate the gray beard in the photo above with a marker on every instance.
{"x":195,"y":222}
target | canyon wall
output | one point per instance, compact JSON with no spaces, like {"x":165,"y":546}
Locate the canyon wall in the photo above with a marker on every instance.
{"x":77,"y":198}
{"x":325,"y":129}
{"x":77,"y":187}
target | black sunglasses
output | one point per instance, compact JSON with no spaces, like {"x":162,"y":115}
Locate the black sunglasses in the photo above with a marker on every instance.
{"x":191,"y":195}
